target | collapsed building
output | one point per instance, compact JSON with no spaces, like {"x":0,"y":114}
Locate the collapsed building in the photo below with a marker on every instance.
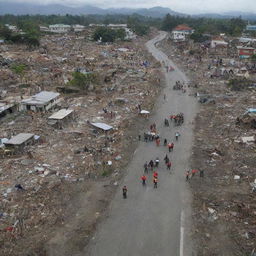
{"x":40,"y":102}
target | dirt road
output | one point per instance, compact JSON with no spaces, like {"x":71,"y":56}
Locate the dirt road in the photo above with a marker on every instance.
{"x":153,"y":221}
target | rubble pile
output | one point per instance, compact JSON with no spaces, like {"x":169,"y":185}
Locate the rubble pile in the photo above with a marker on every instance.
{"x":39,"y":180}
{"x":224,"y":199}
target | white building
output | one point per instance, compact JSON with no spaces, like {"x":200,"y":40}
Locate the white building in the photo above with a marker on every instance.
{"x":181,"y":32}
{"x":59,"y":28}
{"x":117,"y":26}
{"x":96,"y":25}
{"x":12,"y":28}
{"x":218,"y":41}
{"x":42,"y":101}
{"x":78,"y":28}
{"x":129,"y":34}
{"x":44,"y":29}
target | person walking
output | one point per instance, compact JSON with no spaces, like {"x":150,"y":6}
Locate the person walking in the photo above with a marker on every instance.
{"x":151,"y":164}
{"x":165,"y":142}
{"x":157,"y":162}
{"x":158,"y":142}
{"x":169,"y":165}
{"x":177,"y":135}
{"x":155,"y":174}
{"x":143,"y":178}
{"x":155,"y":182}
{"x":193,"y":172}
{"x":201,"y":173}
{"x":187,"y":175}
{"x":166,"y":159}
{"x":146,"y":167}
{"x":125,"y":192}
{"x":170,"y":147}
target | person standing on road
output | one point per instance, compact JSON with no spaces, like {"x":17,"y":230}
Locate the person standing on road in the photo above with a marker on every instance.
{"x":201,"y":173}
{"x":187,"y":175}
{"x":146,"y":167}
{"x":155,"y":174}
{"x":124,"y":192}
{"x":157,"y":162}
{"x":165,"y":142}
{"x":193,"y":172}
{"x":157,"y":142}
{"x":155,"y":182}
{"x":169,"y":165}
{"x":166,"y":159}
{"x":170,"y":147}
{"x":177,"y":134}
{"x":143,"y":178}
{"x":151,"y":164}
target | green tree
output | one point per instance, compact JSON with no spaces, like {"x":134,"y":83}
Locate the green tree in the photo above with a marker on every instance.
{"x":198,"y":37}
{"x":19,"y":69}
{"x":104,"y":34}
{"x":137,"y":25}
{"x":120,"y":34}
{"x":83,"y":81}
{"x":5,"y":33}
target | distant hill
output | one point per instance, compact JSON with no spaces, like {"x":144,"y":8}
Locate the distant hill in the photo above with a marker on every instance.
{"x":32,"y":9}
{"x":155,"y":12}
{"x":228,"y":15}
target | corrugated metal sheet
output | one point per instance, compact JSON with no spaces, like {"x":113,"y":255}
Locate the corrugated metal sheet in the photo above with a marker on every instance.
{"x":102,"y":126}
{"x":19,"y":139}
{"x":61,"y":114}
{"x":41,"y":98}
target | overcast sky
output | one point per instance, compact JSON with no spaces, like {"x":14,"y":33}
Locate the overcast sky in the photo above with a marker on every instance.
{"x":186,"y":6}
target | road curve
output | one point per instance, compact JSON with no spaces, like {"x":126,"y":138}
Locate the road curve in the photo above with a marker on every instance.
{"x":151,"y":221}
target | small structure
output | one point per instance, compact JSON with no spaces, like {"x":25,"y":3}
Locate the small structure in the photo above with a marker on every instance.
{"x":44,"y":29}
{"x":251,"y":27}
{"x":6,"y":109}
{"x":59,"y":118}
{"x":19,"y":141}
{"x":12,"y":28}
{"x":181,"y":32}
{"x":42,"y":101}
{"x":59,"y":28}
{"x":245,"y":52}
{"x":78,"y":28}
{"x":117,"y":26}
{"x":102,"y":126}
{"x":218,"y":42}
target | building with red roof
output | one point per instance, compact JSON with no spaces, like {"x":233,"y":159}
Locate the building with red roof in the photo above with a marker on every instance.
{"x":181,"y":32}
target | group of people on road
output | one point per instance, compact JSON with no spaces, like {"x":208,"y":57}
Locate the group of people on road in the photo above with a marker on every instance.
{"x":152,"y":135}
{"x":152,"y":165}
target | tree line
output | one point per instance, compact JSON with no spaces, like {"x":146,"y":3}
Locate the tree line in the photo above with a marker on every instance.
{"x":138,"y":23}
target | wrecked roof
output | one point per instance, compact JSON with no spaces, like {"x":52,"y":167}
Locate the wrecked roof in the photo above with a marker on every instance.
{"x":4,"y":107}
{"x":61,"y":114}
{"x":19,"y":139}
{"x":102,"y":126}
{"x":182,"y":27}
{"x":41,"y":98}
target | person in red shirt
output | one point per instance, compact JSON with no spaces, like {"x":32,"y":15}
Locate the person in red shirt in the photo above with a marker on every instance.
{"x":169,"y":165}
{"x":158,"y":142}
{"x":155,"y":174}
{"x":143,"y":178}
{"x":193,"y":172}
{"x":170,"y":146}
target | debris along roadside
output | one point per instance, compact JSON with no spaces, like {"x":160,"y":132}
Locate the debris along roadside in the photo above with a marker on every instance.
{"x":45,"y":183}
{"x":224,"y":148}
